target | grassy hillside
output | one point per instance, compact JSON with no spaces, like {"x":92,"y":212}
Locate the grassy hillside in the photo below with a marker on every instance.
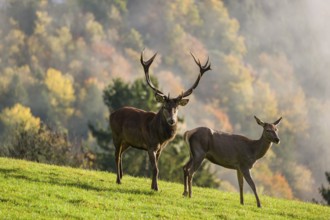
{"x":35,"y":191}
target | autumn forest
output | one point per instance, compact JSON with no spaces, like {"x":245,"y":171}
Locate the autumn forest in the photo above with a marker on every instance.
{"x":65,"y":65}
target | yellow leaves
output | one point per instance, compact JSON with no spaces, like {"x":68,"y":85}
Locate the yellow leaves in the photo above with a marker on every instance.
{"x":61,"y":43}
{"x":9,"y":73}
{"x":265,"y":102}
{"x":65,"y":36}
{"x":61,"y":91}
{"x":60,"y":86}
{"x":240,"y":79}
{"x":134,"y":39}
{"x":19,"y":115}
{"x":14,"y":40}
{"x":16,"y":36}
{"x":292,"y":103}
{"x":182,"y":7}
{"x":238,"y":69}
{"x":183,"y":11}
{"x":114,"y":14}
{"x":224,"y":29}
{"x":94,"y":29}
{"x":43,"y":21}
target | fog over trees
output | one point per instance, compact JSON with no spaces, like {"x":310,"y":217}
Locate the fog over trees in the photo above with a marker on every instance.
{"x":65,"y":64}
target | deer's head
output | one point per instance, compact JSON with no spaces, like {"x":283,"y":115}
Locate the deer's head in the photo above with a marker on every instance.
{"x":170,"y":105}
{"x":270,"y":130}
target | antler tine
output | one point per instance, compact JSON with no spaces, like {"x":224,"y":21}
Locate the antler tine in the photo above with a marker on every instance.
{"x":146,"y":65}
{"x":207,"y":63}
{"x":202,"y":70}
{"x":196,"y":60}
{"x":205,"y":67}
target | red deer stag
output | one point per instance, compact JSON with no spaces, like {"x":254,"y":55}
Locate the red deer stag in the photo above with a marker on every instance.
{"x":149,"y":131}
{"x":228,"y":150}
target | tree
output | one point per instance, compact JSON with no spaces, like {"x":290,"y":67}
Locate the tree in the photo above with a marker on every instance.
{"x":16,"y":92}
{"x":259,"y":67}
{"x":325,"y":191}
{"x":88,"y":107}
{"x":60,"y":94}
{"x":23,"y":12}
{"x":116,"y":95}
{"x":12,"y":118}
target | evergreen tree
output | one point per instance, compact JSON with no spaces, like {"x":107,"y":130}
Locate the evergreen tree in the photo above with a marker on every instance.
{"x":325,"y":191}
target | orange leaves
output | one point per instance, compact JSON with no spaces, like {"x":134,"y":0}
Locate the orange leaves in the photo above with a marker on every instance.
{"x":272,"y":184}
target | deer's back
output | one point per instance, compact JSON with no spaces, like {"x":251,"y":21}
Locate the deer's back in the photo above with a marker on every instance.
{"x":225,"y":149}
{"x":130,"y":124}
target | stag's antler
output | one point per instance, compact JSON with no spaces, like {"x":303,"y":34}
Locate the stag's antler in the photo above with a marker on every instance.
{"x":146,"y":65}
{"x":202,"y":70}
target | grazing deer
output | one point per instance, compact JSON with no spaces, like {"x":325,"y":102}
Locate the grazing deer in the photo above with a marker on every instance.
{"x":228,"y":150}
{"x":149,"y":131}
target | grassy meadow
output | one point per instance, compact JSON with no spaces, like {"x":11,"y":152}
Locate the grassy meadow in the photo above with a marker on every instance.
{"x":38,"y":191}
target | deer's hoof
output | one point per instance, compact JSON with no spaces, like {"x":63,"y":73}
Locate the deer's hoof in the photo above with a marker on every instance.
{"x":185,"y":194}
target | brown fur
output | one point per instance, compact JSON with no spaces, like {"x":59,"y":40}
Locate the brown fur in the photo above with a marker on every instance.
{"x":228,"y":150}
{"x":149,"y":131}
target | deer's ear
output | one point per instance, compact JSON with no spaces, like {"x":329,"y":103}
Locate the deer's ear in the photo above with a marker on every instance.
{"x":183,"y":102}
{"x":159,"y":98}
{"x":278,"y":121}
{"x":261,"y":123}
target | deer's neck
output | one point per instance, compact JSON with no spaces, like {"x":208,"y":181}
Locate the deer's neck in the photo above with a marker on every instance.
{"x":159,"y":125}
{"x":261,"y":147}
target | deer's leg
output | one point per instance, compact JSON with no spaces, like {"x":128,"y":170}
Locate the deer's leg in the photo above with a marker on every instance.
{"x":248,"y":178}
{"x":196,"y":163}
{"x":120,"y":166}
{"x":154,"y":167}
{"x":123,"y":149}
{"x":118,"y":161}
{"x":185,"y":177}
{"x":158,"y":155}
{"x":240,"y":183}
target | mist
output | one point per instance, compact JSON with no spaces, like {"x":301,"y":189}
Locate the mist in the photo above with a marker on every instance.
{"x":268,"y":58}
{"x":294,"y":33}
{"x":305,"y":25}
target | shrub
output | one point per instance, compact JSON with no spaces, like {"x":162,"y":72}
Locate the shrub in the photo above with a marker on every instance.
{"x":42,"y":145}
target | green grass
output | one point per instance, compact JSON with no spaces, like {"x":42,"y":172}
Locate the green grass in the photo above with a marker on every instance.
{"x":38,"y":191}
